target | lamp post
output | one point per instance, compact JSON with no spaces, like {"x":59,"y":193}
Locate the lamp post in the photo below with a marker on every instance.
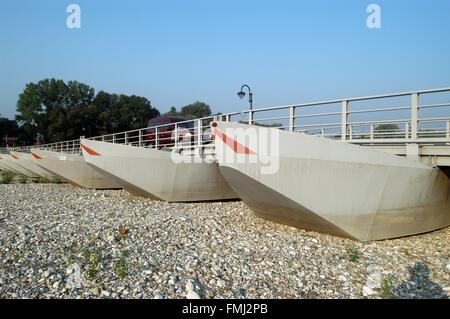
{"x":242,"y":94}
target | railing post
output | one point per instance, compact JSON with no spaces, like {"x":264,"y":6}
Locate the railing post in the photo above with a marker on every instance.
{"x":250,"y":117}
{"x":156,"y":137}
{"x":322,"y":132}
{"x":199,"y":138}
{"x":227,"y":118}
{"x":140,"y":138}
{"x":414,"y":116}
{"x":126,"y":138}
{"x":350,"y":132}
{"x":448,"y":129}
{"x":176,"y":135}
{"x":114,"y":138}
{"x":344,"y":120}
{"x":372,"y":130}
{"x":291,"y":119}
{"x":407,"y":130}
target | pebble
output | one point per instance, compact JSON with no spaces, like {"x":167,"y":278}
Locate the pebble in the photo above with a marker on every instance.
{"x":374,"y":277}
{"x":192,"y":295}
{"x":60,"y":241}
{"x":95,"y":291}
{"x":368,"y":291}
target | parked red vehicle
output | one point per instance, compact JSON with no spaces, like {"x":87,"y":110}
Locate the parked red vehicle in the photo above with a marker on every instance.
{"x":166,"y":130}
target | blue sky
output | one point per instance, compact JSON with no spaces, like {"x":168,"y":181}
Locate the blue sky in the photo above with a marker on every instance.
{"x":176,"y":52}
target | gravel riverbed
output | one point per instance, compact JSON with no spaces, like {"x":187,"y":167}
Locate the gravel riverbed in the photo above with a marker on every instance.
{"x":59,"y":241}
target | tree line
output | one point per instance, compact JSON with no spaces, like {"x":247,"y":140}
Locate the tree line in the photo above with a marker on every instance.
{"x":51,"y":110}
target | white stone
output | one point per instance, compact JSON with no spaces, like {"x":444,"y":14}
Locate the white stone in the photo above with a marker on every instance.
{"x":221,"y":283}
{"x":367,"y":291}
{"x":374,"y":280}
{"x":189,"y":285}
{"x":192,"y":295}
{"x":95,"y":291}
{"x":375,"y":277}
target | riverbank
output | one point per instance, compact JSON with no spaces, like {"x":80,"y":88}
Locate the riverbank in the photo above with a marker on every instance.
{"x":59,"y":241}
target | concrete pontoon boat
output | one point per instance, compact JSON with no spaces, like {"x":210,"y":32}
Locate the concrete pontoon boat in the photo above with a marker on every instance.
{"x":73,"y":168}
{"x":25,"y":160}
{"x":334,"y":187}
{"x":153,"y":173}
{"x":9,"y":161}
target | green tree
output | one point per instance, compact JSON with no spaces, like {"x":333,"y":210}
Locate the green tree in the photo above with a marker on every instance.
{"x":63,"y":111}
{"x":173,"y":112}
{"x":191,"y":111}
{"x":54,"y":108}
{"x":195,"y":110}
{"x":134,"y":111}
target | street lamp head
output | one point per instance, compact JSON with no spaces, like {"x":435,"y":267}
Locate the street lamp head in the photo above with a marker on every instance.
{"x":241,"y":94}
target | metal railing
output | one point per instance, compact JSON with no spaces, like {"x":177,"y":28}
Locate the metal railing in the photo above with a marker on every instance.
{"x":67,"y":147}
{"x":397,"y":118}
{"x":397,"y":129}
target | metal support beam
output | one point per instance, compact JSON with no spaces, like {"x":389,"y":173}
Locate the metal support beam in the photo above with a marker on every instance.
{"x":448,"y":129}
{"x":344,"y":120}
{"x":291,"y":119}
{"x":414,"y":116}
{"x":199,"y":136}
{"x":176,"y":135}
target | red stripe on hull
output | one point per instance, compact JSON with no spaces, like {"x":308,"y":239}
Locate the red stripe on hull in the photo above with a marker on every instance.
{"x":233,"y":144}
{"x":36,"y":156}
{"x":89,"y":150}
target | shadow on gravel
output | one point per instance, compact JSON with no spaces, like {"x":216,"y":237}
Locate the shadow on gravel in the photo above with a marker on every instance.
{"x":419,"y":285}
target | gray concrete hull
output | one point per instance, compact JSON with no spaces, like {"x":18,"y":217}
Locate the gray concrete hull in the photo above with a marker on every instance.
{"x":3,"y":166}
{"x":9,"y":162}
{"x":8,"y":168}
{"x":339,"y":188}
{"x":152,"y":173}
{"x":73,"y":168}
{"x":25,"y":160}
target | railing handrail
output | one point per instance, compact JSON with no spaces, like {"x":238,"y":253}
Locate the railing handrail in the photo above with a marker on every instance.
{"x":362,"y":98}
